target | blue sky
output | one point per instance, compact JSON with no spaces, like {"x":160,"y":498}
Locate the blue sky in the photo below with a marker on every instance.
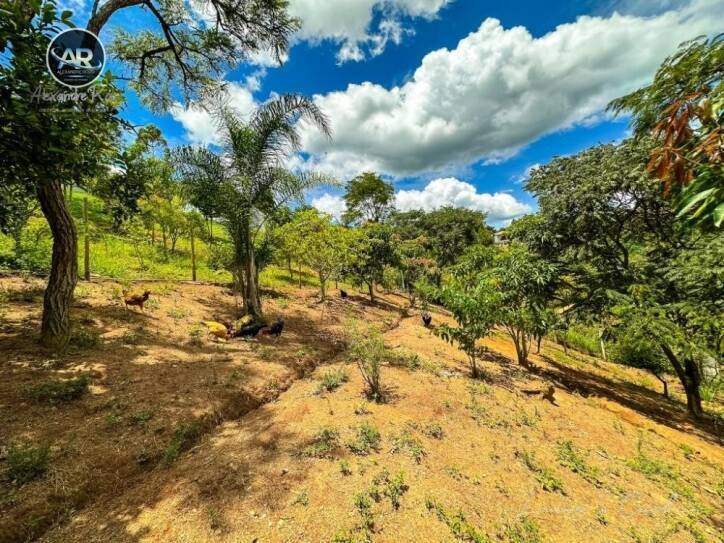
{"x":453,"y":100}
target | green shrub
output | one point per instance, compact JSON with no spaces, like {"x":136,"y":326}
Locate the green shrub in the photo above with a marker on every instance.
{"x":26,"y":463}
{"x":710,"y":389}
{"x":369,"y":352}
{"x":54,"y":392}
{"x":523,"y":530}
{"x":434,"y":430}
{"x":85,"y":338}
{"x":331,"y":380}
{"x":461,"y":529}
{"x":367,"y":439}
{"x":344,"y":468}
{"x":581,"y":338}
{"x":323,"y":444}
{"x":184,"y":436}
{"x":407,"y":442}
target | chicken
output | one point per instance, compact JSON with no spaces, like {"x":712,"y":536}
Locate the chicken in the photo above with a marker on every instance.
{"x":218,"y":329}
{"x":343,"y":294}
{"x":548,"y":394}
{"x":275,"y":329}
{"x":136,"y":299}
{"x":250,"y":330}
{"x":426,"y":319}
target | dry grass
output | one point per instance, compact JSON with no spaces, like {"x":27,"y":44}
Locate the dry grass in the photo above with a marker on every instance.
{"x":447,"y":457}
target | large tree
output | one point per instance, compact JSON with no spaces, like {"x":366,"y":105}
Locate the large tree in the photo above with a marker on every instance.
{"x":621,"y":251}
{"x":368,"y":198}
{"x":42,"y":148}
{"x":248,"y":177}
{"x":192,"y":44}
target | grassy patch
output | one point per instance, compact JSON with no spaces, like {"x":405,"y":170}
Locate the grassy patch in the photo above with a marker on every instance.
{"x":367,"y":439}
{"x":392,"y":487}
{"x":522,"y":530}
{"x":569,"y":456}
{"x":54,"y":392}
{"x":184,"y":436}
{"x":409,"y":443}
{"x":546,"y":477}
{"x":459,"y":526}
{"x":323,"y":445}
{"x":26,"y":463}
{"x":331,"y":380}
{"x":434,"y":431}
{"x":344,"y":468}
{"x":301,"y":499}
{"x":85,"y":338}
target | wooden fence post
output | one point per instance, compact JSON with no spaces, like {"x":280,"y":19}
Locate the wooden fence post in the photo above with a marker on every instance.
{"x":86,"y":242}
{"x":193,"y":256}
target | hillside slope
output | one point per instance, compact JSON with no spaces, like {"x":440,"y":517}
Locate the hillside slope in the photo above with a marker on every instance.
{"x":457,"y":459}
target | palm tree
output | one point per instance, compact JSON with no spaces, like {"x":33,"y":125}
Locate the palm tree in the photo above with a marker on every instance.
{"x":248,"y":177}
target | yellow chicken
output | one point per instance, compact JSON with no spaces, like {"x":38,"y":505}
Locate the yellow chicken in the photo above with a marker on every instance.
{"x":217,"y":329}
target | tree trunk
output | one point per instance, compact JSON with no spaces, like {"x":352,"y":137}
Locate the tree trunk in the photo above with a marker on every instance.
{"x":289,"y":267}
{"x":322,"y":287}
{"x":665,"y":383}
{"x":193,"y":257}
{"x":251,"y":289}
{"x":55,"y":329}
{"x":86,"y":242}
{"x":538,"y":340}
{"x":300,"y":275}
{"x":371,"y":289}
{"x":690,"y":380}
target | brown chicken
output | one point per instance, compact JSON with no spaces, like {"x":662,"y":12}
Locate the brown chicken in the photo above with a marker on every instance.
{"x":137,"y":299}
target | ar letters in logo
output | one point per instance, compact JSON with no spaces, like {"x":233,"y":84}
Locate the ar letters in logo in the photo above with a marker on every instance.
{"x":75,"y":58}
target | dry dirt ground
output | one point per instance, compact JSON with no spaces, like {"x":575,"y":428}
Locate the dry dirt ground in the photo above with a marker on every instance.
{"x":182,"y":438}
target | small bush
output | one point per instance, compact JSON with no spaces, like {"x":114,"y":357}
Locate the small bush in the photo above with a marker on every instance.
{"x":324,"y":444}
{"x":523,"y":530}
{"x":140,"y":418}
{"x":344,"y":468}
{"x":367,"y":440}
{"x":461,"y":529}
{"x":709,"y":390}
{"x":54,"y":392}
{"x":301,"y":499}
{"x":383,"y":485}
{"x":332,"y":380}
{"x":362,"y":408}
{"x":370,"y":353}
{"x":85,"y":337}
{"x":434,"y":430}
{"x":184,"y":435}
{"x":581,"y":338}
{"x":196,"y":334}
{"x":26,"y":463}
{"x":406,"y":441}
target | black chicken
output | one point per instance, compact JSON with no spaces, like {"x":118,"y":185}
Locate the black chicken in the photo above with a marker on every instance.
{"x":275,"y":329}
{"x":343,"y":294}
{"x":250,"y":330}
{"x":426,"y":319}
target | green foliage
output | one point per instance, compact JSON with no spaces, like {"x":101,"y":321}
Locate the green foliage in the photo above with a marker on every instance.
{"x":405,"y":441}
{"x":683,"y":108}
{"x":248,"y":184}
{"x":184,"y":436}
{"x":26,"y":463}
{"x":85,"y":337}
{"x":392,"y":487}
{"x":369,"y":353}
{"x":54,"y":392}
{"x":461,"y":529}
{"x":373,"y":248}
{"x":332,"y":379}
{"x":344,"y":468}
{"x":323,"y":444}
{"x":548,"y":480}
{"x":523,"y":530}
{"x":569,"y":456}
{"x":367,"y":439}
{"x":444,"y":234}
{"x":368,"y":199}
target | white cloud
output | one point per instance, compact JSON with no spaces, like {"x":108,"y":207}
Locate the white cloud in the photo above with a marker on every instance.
{"x":201,"y":127}
{"x":351,"y":22}
{"x":333,"y":205}
{"x":497,"y":91}
{"x":450,"y":191}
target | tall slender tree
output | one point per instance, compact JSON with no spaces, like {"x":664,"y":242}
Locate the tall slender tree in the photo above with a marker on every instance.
{"x":249,"y":178}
